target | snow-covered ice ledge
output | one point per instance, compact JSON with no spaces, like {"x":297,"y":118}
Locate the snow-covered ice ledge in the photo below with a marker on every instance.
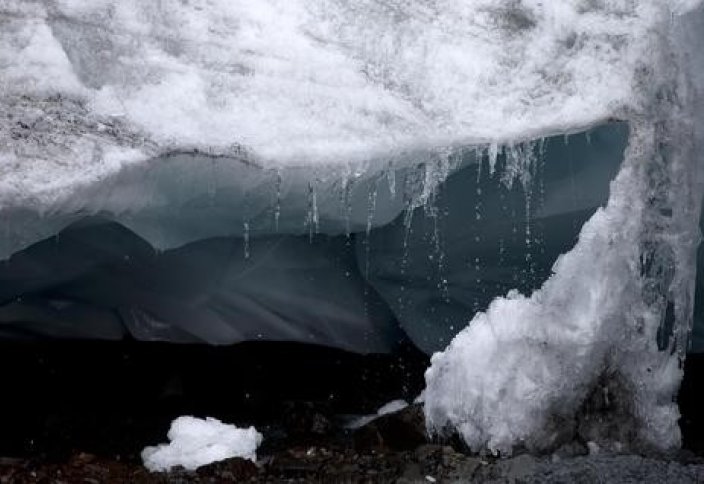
{"x":89,"y":90}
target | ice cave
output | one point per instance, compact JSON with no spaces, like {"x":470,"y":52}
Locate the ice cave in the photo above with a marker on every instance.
{"x":508,"y":190}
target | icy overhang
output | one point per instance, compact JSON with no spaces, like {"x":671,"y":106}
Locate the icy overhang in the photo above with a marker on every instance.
{"x":320,"y":82}
{"x":149,"y":112}
{"x":95,"y":93}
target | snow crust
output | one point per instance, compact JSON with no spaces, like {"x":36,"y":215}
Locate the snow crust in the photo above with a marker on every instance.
{"x":197,"y":442}
{"x":105,"y":85}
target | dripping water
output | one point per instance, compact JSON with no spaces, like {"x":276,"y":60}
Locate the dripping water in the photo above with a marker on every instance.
{"x":478,"y":208}
{"x":346,"y":203}
{"x":277,"y":203}
{"x":371,"y":209}
{"x":245,"y":238}
{"x":410,"y":189}
{"x":312,"y":219}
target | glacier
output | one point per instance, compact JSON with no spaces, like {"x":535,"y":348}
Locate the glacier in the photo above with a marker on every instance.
{"x":190,"y":125}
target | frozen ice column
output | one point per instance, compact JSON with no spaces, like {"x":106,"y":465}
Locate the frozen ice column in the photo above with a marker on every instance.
{"x":608,"y":331}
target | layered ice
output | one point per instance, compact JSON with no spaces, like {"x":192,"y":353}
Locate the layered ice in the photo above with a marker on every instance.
{"x":98,"y":280}
{"x":425,"y":273}
{"x":91,"y":91}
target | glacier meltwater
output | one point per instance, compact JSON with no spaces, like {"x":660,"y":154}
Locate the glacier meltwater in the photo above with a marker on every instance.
{"x":290,"y":132}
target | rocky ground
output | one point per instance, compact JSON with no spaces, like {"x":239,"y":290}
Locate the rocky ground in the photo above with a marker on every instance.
{"x":63,"y":426}
{"x":309,"y":446}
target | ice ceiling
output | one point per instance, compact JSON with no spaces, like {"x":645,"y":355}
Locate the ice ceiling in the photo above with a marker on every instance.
{"x":278,"y":82}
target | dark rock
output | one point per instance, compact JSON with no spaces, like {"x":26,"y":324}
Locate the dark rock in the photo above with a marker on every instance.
{"x":412,"y":473}
{"x":230,"y":470}
{"x":514,"y":469}
{"x":306,"y":419}
{"x":402,"y":430}
{"x":607,"y":414}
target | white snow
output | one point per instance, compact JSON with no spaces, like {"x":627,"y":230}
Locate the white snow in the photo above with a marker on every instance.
{"x":304,"y":83}
{"x":197,"y":442}
{"x":517,"y":375}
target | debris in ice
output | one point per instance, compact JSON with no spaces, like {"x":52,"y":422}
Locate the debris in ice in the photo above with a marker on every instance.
{"x":196,"y":442}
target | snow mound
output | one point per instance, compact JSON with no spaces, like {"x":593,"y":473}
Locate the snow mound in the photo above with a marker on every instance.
{"x":197,"y":442}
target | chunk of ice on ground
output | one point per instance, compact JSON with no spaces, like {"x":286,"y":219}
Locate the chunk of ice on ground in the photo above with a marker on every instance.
{"x":387,"y":408}
{"x":391,"y":407}
{"x":196,"y":442}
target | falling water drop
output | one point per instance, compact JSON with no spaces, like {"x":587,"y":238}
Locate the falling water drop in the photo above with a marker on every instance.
{"x":371,"y":209}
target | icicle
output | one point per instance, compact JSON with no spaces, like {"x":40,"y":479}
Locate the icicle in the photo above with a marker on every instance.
{"x":312,"y":220}
{"x":509,"y":174}
{"x":277,"y":203}
{"x":435,"y":174}
{"x":348,"y":180}
{"x":391,"y":177}
{"x":245,"y":237}
{"x":410,"y":185}
{"x":493,"y":156}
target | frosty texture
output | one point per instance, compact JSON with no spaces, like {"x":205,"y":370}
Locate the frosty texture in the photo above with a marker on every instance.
{"x":89,"y":90}
{"x":195,"y":442}
{"x":614,"y":317}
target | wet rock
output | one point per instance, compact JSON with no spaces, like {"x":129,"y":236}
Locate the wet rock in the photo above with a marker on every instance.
{"x":399,"y":431}
{"x":411,"y":474}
